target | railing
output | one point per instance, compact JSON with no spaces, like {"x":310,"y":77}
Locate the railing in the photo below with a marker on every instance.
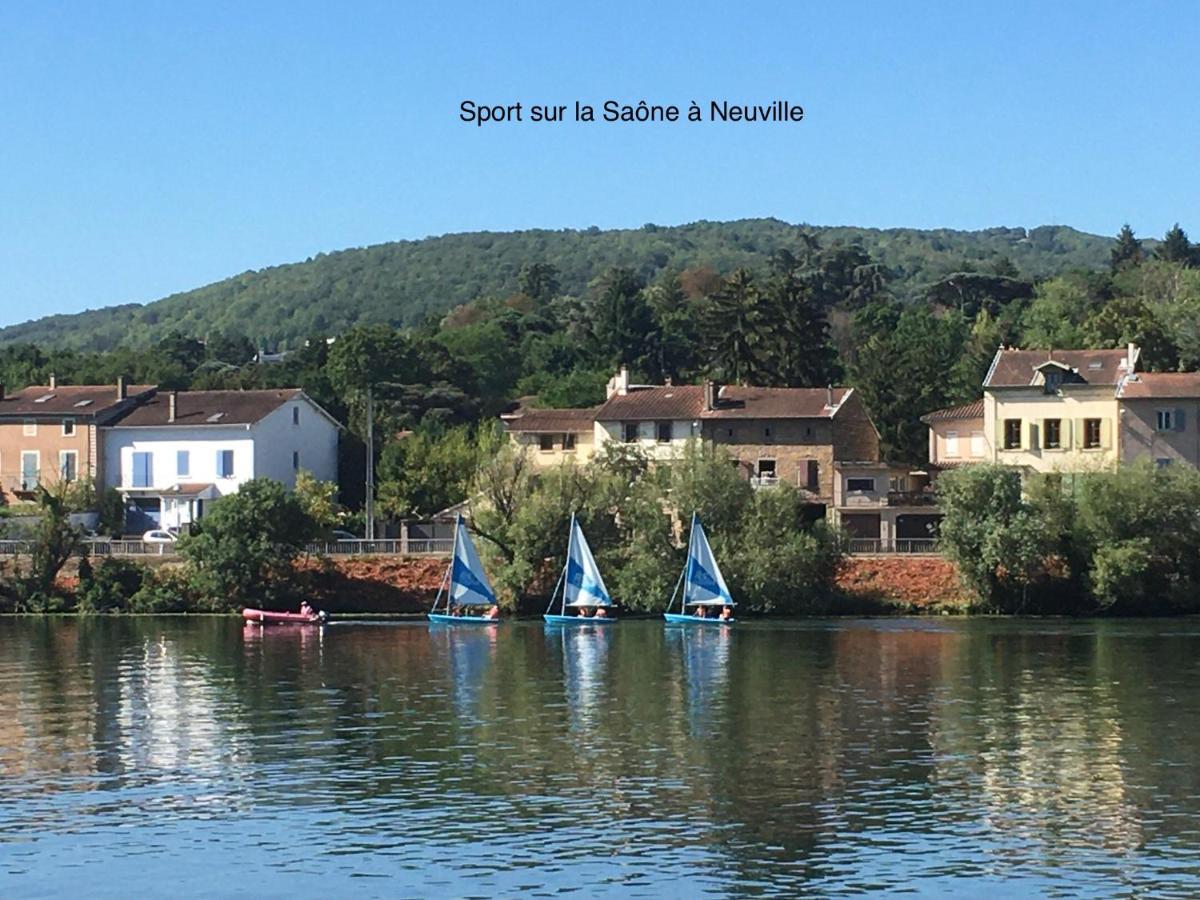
{"x":898,"y":545}
{"x":764,"y":481}
{"x":388,"y":547}
{"x":911,"y":498}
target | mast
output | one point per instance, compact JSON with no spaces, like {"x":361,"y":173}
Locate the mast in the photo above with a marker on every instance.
{"x":562,"y":611}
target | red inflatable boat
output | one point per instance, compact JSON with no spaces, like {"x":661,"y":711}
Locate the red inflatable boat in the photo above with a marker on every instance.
{"x":267,"y":617}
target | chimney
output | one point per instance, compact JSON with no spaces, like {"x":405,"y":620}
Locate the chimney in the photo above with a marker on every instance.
{"x":710,"y":395}
{"x":618,"y":385}
{"x":667,"y":381}
{"x":1132,"y":352}
{"x":122,"y":390}
{"x":53,"y":381}
{"x":172,"y":400}
{"x":829,"y":395}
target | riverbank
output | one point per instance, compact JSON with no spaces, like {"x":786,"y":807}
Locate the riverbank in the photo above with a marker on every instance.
{"x":402,"y":586}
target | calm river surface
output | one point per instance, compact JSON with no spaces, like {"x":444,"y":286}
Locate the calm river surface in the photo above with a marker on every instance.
{"x":189,"y":758}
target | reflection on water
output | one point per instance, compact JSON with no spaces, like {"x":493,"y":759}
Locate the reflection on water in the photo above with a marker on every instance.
{"x":977,"y":757}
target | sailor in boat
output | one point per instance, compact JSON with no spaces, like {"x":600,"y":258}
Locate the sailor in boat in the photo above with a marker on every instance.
{"x":306,"y":610}
{"x":601,"y":613}
{"x":726,"y":613}
{"x":700,"y":611}
{"x":583,"y":611}
{"x":491,"y":612}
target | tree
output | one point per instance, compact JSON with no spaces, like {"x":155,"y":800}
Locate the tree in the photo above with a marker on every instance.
{"x":244,"y":547}
{"x":1128,"y":251}
{"x":428,"y":471}
{"x":735,"y":325}
{"x":801,"y":353}
{"x":1125,"y":320}
{"x":52,"y":542}
{"x":992,"y":534}
{"x":1060,"y":306}
{"x":1176,"y":247}
{"x":538,"y":282}
{"x":622,"y":321}
{"x":318,"y":499}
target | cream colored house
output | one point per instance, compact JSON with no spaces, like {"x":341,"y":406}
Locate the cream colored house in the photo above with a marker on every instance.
{"x":554,"y":436}
{"x":957,"y":436}
{"x":1055,"y":410}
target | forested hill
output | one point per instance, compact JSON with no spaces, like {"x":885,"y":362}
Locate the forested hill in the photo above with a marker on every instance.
{"x":403,"y":282}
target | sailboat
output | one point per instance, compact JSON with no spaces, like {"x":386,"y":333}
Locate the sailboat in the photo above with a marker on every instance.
{"x":468,"y":584}
{"x":580,"y":586}
{"x":703,"y":585}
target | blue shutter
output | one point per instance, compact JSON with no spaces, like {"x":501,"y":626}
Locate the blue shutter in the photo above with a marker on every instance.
{"x":183,"y":463}
{"x":224,"y":463}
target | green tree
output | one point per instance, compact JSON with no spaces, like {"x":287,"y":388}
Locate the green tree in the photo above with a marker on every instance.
{"x":735,"y":325}
{"x":1128,"y":251}
{"x":243,"y":550}
{"x":318,"y":499}
{"x":1175,"y":247}
{"x":1126,"y":320}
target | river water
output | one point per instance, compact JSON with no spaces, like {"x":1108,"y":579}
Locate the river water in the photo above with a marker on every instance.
{"x":1001,"y":757}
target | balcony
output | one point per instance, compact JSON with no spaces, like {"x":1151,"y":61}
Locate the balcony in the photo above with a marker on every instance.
{"x":872,"y":546}
{"x":911,"y":498}
{"x":764,"y":481}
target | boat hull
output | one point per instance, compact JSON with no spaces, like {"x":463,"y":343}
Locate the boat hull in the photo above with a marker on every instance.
{"x":553,"y":619}
{"x":686,"y":619}
{"x":269,"y":617}
{"x":443,"y":619}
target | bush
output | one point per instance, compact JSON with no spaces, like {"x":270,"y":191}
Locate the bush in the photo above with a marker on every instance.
{"x":110,"y":586}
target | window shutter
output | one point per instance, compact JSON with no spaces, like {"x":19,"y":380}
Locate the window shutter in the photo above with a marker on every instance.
{"x":1078,"y":433}
{"x":1105,"y":433}
{"x":1179,"y":421}
{"x":1033,"y":436}
{"x":998,"y":443}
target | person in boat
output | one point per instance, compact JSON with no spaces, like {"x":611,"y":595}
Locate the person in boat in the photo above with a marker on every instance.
{"x":726,"y":613}
{"x":701,"y":612}
{"x":306,"y":610}
{"x":601,"y":613}
{"x":492,"y":612}
{"x":584,"y":611}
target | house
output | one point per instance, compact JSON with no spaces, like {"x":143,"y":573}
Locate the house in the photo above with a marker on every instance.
{"x":52,"y":432}
{"x":775,"y":435}
{"x":884,"y":506}
{"x":553,"y":436}
{"x":1160,"y":417}
{"x":179,"y":450}
{"x":957,"y":436}
{"x":1054,"y":410}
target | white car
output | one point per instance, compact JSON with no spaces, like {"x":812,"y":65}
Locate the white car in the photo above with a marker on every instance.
{"x":158,"y":536}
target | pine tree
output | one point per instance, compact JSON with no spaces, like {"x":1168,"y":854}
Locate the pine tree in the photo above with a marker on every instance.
{"x":800,"y":351}
{"x":735,"y":326}
{"x":1128,"y":251}
{"x":1175,"y":247}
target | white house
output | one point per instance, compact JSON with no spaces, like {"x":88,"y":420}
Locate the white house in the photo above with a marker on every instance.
{"x":182,"y":449}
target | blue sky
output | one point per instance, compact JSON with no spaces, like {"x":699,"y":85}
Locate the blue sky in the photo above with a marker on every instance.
{"x":152,"y":148}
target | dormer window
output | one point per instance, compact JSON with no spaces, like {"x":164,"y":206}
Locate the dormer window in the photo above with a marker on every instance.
{"x":1053,"y":381}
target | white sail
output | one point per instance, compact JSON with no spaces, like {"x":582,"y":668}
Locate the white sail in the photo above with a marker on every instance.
{"x":704,"y":585}
{"x":469,"y":585}
{"x":583,"y":585}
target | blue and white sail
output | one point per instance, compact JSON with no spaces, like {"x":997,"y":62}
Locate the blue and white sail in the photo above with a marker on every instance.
{"x":703,"y":583}
{"x":583,"y":585}
{"x":469,"y":585}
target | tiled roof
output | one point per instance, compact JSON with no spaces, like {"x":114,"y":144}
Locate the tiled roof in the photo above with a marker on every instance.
{"x":203,"y":408}
{"x":1016,"y":368}
{"x":734,"y":402}
{"x":556,"y":420}
{"x":1164,"y":385}
{"x":78,"y":400}
{"x":954,"y":413}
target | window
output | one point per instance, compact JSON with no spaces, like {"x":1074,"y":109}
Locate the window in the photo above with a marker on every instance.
{"x":29,"y":428}
{"x":1053,"y":381}
{"x":1169,"y":419}
{"x":764,"y":470}
{"x":952,"y":443}
{"x":1012,"y":434}
{"x":1162,"y":462}
{"x":812,"y":479}
{"x":143,"y":470}
{"x":568,"y":441}
{"x":295,"y":415}
{"x":68,"y":465}
{"x":860,"y":484}
{"x":630,"y":432}
{"x":30,"y":463}
{"x":224,"y":463}
{"x":68,"y":427}
{"x":545,"y":442}
{"x":1091,"y":434}
{"x":767,"y":433}
{"x":977,"y":446}
{"x":663,"y":430}
{"x":295,"y":460}
{"x":183,"y":463}
{"x":1052,"y":434}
